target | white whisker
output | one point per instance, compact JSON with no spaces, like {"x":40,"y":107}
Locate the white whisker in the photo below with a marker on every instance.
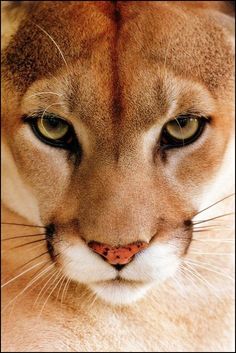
{"x":32,"y":281}
{"x":212,"y":253}
{"x":42,"y":93}
{"x":59,"y":289}
{"x":209,"y":268}
{"x":45,"y":284}
{"x":201,"y":278}
{"x":215,"y":240}
{"x":188,"y":276}
{"x":215,"y":203}
{"x":64,"y":289}
{"x":59,"y":278}
{"x":54,"y":42}
{"x":22,"y":273}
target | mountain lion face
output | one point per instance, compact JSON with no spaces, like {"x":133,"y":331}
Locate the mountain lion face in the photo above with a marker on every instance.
{"x":117,"y":121}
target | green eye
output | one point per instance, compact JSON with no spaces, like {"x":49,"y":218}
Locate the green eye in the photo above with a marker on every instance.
{"x":182,"y":131}
{"x":53,"y":131}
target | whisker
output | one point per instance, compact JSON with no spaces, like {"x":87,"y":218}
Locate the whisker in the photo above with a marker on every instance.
{"x":211,"y":253}
{"x":23,"y":236}
{"x":67,"y":287}
{"x":31,"y":260}
{"x":42,"y":93}
{"x":60,"y":253}
{"x":31,"y":248}
{"x":215,"y":203}
{"x":44,"y":253}
{"x":23,"y":225}
{"x":183,"y":239}
{"x":32,"y":242}
{"x":196,"y":274}
{"x":31,"y":282}
{"x":210,"y":226}
{"x":59,"y":289}
{"x":50,"y":105}
{"x":50,"y":37}
{"x":210,"y":219}
{"x":21,"y":274}
{"x":204,"y":230}
{"x":45,"y":285}
{"x":182,"y":289}
{"x":63,"y":292}
{"x":47,"y":262}
{"x":25,"y":244}
{"x":193,"y":277}
{"x":208,"y":267}
{"x":188,"y":276}
{"x":35,"y":258}
{"x":93,"y":300}
{"x":58,"y":279}
{"x":215,"y":240}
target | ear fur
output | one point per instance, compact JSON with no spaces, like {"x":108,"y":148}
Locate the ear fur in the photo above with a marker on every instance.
{"x":222,"y":11}
{"x":231,"y":8}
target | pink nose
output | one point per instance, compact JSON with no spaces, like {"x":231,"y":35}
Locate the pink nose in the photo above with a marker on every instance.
{"x":119,"y":255}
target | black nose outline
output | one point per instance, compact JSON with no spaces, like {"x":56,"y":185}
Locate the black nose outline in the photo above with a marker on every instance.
{"x":119,"y":267}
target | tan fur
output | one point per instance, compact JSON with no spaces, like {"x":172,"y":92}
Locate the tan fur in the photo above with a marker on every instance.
{"x":121,"y":72}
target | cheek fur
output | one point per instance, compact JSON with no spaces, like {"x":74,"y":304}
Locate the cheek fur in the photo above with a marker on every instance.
{"x":45,"y":169}
{"x":156,"y":263}
{"x":79,"y":262}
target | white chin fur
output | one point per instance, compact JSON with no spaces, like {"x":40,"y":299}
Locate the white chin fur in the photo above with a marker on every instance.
{"x":118,"y":293}
{"x":154,"y":265}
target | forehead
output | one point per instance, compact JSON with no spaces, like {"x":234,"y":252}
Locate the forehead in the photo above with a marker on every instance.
{"x":119,"y":54}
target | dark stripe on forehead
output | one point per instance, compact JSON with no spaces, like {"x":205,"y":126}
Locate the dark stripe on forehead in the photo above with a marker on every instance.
{"x":115,"y":61}
{"x":117,"y":94}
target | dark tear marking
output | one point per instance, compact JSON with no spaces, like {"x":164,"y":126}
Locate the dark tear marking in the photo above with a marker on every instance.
{"x":50,"y":230}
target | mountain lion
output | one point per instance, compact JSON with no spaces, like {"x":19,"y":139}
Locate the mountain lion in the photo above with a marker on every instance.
{"x":117,"y":176}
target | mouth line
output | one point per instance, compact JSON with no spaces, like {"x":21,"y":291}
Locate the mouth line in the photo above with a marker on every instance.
{"x":120,"y":280}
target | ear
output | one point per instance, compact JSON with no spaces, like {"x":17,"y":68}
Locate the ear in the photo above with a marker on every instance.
{"x":222,"y":11}
{"x":225,"y":16}
{"x":12,"y":13}
{"x":227,"y":7}
{"x":230,"y":7}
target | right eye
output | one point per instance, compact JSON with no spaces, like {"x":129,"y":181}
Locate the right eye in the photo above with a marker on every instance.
{"x":53,"y":131}
{"x":182,"y":131}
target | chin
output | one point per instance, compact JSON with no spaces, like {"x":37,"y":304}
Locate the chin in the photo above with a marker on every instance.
{"x":120,"y":292}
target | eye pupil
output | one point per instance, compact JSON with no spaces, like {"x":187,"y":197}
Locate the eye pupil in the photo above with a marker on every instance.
{"x":53,"y":122}
{"x":183,"y":121}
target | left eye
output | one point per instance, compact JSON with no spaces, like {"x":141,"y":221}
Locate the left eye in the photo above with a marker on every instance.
{"x":53,"y":131}
{"x":182,"y":131}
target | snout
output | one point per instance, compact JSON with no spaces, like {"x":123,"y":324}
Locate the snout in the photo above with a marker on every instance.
{"x":119,"y":255}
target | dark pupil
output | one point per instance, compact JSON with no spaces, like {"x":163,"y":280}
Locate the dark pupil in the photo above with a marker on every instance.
{"x":53,"y":122}
{"x":183,"y":122}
